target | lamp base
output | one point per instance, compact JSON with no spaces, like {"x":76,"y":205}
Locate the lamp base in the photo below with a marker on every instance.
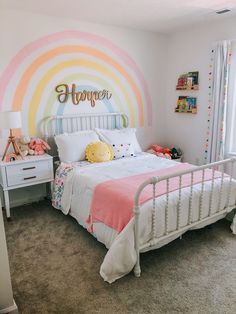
{"x":12,"y":141}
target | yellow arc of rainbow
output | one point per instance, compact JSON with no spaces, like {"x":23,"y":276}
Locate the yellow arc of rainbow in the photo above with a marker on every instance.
{"x":47,"y":56}
{"x":35,"y":102}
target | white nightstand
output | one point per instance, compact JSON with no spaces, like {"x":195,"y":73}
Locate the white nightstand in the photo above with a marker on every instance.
{"x":21,"y":173}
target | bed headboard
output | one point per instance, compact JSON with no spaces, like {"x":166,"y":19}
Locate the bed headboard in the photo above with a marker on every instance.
{"x":55,"y":125}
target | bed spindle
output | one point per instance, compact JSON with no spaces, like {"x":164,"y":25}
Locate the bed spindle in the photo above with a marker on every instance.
{"x":137,"y":269}
{"x":72,"y":126}
{"x":211,"y":192}
{"x":190,"y":209}
{"x":221,"y":188}
{"x":67,"y":125}
{"x":179,"y":202}
{"x":201,"y":195}
{"x":153,"y":211}
{"x":90,"y":123}
{"x":77,"y":125}
{"x":167,"y":205}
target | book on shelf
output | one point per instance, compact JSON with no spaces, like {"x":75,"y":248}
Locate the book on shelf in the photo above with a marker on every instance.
{"x":186,"y":104}
{"x":188,"y":81}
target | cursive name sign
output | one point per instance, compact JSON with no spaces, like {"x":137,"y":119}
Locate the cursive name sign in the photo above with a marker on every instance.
{"x":64,"y":92}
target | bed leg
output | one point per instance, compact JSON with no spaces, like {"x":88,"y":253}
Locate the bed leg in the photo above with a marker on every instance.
{"x":233,"y":225}
{"x":137,"y":270}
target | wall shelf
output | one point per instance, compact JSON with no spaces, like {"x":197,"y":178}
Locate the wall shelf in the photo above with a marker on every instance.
{"x":195,"y":87}
{"x":186,"y":104}
{"x":188,"y":81}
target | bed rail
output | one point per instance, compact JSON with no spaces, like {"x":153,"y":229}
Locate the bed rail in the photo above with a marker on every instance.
{"x":220,"y":166}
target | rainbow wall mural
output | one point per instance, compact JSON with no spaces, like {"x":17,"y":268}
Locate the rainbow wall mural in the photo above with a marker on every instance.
{"x":90,"y":61}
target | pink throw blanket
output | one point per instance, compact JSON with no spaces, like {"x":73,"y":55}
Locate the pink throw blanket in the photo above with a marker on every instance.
{"x":113,"y":200}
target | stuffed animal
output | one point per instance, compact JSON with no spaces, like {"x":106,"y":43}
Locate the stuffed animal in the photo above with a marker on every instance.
{"x":99,"y":152}
{"x":176,"y":153}
{"x":157,"y":148}
{"x":23,"y":144}
{"x":39,"y":146}
{"x":160,"y":151}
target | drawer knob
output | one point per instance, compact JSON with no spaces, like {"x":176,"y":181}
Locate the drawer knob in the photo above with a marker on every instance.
{"x":28,"y":168}
{"x":28,"y":178}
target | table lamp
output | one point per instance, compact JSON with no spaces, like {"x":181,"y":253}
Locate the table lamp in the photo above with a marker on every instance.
{"x":11,"y":120}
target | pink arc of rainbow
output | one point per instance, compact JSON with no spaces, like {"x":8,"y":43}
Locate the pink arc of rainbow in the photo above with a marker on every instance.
{"x":44,"y":41}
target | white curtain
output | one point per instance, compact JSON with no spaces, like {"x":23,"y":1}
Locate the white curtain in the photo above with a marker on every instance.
{"x":230,"y":138}
{"x":219,"y":117}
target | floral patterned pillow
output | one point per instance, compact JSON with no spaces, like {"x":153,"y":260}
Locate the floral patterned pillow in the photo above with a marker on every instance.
{"x":123,"y":150}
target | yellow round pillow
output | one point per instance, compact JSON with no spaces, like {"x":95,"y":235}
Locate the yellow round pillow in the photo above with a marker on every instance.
{"x":99,"y":152}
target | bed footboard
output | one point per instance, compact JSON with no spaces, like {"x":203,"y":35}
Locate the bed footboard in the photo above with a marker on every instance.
{"x":221,"y":166}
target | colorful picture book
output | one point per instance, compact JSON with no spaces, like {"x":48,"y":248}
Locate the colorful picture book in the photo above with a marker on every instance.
{"x":188,"y":81}
{"x":186,"y":104}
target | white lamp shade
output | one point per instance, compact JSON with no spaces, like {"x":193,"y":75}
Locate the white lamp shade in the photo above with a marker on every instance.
{"x":10,"y":120}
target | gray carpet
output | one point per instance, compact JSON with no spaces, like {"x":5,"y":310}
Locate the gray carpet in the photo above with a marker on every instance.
{"x":55,"y":269}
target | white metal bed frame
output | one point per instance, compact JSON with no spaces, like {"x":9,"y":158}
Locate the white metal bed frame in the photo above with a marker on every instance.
{"x":72,"y":123}
{"x":54,"y":125}
{"x":58,"y":124}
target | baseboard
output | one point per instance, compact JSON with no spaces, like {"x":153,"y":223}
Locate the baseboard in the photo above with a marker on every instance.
{"x":13,"y":309}
{"x":24,"y":196}
{"x":23,"y":202}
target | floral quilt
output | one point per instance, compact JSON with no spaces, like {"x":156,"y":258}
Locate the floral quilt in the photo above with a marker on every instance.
{"x":60,"y":177}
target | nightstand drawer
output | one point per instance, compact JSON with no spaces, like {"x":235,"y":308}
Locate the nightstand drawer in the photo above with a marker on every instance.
{"x":23,"y":173}
{"x":30,"y":172}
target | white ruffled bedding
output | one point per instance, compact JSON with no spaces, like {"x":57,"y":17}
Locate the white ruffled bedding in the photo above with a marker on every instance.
{"x":121,"y":257}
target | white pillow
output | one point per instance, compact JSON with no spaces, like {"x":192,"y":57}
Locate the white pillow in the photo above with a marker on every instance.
{"x":123,"y":150}
{"x":71,"y":146}
{"x":117,"y":136}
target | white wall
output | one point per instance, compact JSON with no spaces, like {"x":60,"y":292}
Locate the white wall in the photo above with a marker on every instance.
{"x":190,"y":50}
{"x":148,"y":51}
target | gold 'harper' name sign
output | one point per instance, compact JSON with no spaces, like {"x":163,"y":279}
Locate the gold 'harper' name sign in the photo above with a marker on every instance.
{"x":64,"y":92}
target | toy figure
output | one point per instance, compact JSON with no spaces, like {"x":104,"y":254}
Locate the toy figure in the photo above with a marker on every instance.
{"x":176,"y":153}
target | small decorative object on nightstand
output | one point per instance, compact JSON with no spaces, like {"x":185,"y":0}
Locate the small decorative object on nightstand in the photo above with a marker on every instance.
{"x":11,"y":120}
{"x":21,"y":173}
